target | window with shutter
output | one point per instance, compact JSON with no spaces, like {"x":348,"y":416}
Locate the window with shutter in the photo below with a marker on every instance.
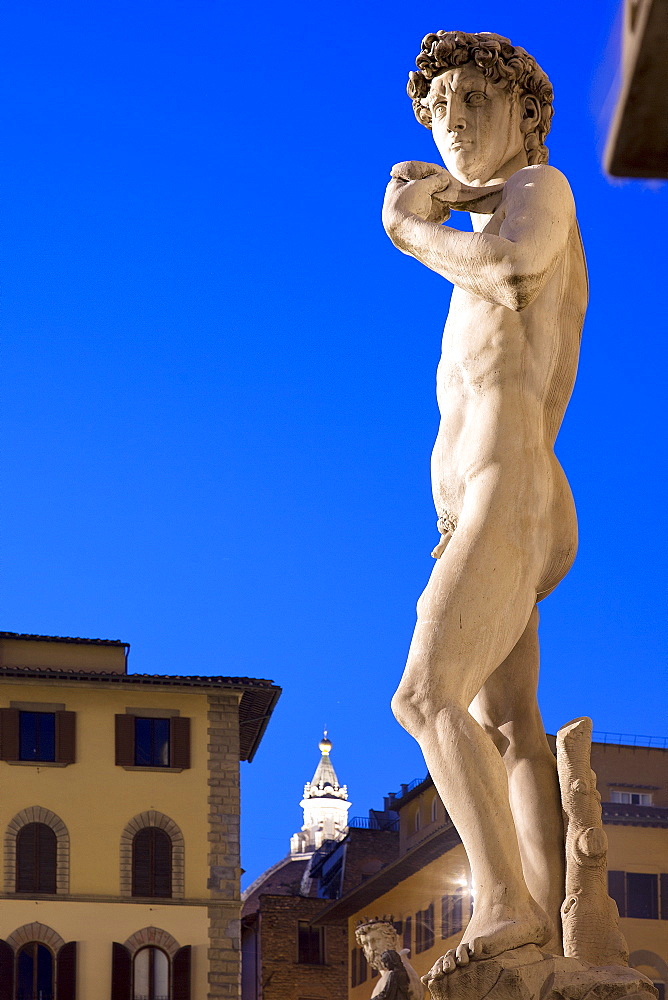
{"x":152,"y":739}
{"x":66,"y":971}
{"x":9,"y":734}
{"x":125,"y":740}
{"x":121,"y":972}
{"x":181,"y":974}
{"x":424,"y":929}
{"x":642,"y":897}
{"x":6,"y":971}
{"x":34,"y":972}
{"x":180,"y":741}
{"x":452,"y":914}
{"x":151,"y":975}
{"x":617,"y":890}
{"x":152,"y":863}
{"x":310,"y":944}
{"x":37,"y":736}
{"x":65,"y":737}
{"x":36,"y":847}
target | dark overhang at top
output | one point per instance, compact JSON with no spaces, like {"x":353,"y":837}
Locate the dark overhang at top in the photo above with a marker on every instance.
{"x":638,"y":138}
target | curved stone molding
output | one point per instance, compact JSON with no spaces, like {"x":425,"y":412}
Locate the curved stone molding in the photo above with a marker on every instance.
{"x":153,"y":818}
{"x":38,"y":814}
{"x":152,"y":936}
{"x":35,"y":932}
{"x":649,"y":959}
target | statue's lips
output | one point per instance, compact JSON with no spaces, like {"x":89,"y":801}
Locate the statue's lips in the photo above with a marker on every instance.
{"x":462,"y":144}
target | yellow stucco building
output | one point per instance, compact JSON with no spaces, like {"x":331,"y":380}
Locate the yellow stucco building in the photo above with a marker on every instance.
{"x":119,"y":809}
{"x":425,"y":888}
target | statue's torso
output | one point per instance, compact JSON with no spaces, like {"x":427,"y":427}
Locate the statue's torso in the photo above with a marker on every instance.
{"x":503,"y":383}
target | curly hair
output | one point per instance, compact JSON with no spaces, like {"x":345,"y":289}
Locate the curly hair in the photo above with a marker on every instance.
{"x":499,"y":61}
{"x":384,"y":928}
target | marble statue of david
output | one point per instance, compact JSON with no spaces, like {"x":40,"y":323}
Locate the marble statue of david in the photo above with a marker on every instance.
{"x":505,"y":510}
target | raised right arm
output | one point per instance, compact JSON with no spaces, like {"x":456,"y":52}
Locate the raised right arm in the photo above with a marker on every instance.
{"x":509,"y":269}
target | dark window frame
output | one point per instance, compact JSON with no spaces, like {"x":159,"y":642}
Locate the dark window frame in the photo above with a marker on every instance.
{"x":424,"y":929}
{"x":36,"y":989}
{"x":151,"y":748}
{"x":36,"y":860}
{"x":626,"y":888}
{"x":158,"y":883}
{"x":452,"y":914}
{"x":152,"y":948}
{"x":37,"y":729}
{"x":310,"y":944}
{"x":179,"y":741}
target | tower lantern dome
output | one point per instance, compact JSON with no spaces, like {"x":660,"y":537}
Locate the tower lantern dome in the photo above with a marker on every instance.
{"x":325,"y":804}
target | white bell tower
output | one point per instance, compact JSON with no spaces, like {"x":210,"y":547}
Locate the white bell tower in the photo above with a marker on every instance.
{"x":325,"y":806}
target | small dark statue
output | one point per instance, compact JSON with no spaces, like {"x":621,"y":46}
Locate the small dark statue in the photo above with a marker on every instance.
{"x":396,"y":987}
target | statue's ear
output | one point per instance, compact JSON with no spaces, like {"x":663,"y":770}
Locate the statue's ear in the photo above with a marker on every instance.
{"x":530,"y":113}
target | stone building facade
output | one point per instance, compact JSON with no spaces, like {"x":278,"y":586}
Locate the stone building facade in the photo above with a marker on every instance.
{"x":120,"y":820}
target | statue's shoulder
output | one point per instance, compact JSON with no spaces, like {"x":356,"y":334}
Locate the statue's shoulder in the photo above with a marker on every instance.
{"x":542,"y":182}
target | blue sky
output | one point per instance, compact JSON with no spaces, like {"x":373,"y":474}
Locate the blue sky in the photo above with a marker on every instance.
{"x":217,"y":397}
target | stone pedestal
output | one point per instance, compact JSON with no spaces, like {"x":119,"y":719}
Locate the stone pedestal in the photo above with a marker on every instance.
{"x":530,"y":974}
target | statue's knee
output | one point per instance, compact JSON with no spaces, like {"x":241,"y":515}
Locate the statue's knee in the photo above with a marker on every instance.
{"x":407,"y":709}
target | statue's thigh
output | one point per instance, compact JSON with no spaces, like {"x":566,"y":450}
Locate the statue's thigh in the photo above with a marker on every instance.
{"x":508,"y":696}
{"x":471,"y":615}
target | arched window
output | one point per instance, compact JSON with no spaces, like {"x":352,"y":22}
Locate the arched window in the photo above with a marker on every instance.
{"x":152,"y":863}
{"x":151,"y":975}
{"x":434,"y":808}
{"x":36,"y":849}
{"x":34,"y":972}
{"x":417,"y":819}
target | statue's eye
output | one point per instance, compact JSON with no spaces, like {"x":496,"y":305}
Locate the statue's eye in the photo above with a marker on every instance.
{"x":440,"y":109}
{"x":476,"y":98}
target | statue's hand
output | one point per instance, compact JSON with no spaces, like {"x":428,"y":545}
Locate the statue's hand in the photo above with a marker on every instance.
{"x":412,"y":191}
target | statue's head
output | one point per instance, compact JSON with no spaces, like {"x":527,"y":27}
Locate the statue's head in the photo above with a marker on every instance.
{"x":486,"y":101}
{"x":376,"y":936}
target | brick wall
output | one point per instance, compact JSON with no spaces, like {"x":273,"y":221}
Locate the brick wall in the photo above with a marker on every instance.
{"x":223,"y":859}
{"x":281,"y":976}
{"x":367,"y":852}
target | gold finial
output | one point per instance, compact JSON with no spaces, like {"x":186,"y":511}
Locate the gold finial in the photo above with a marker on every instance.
{"x":325,"y":745}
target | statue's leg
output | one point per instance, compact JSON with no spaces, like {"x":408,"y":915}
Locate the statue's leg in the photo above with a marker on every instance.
{"x":472,"y":613}
{"x":507,"y":709}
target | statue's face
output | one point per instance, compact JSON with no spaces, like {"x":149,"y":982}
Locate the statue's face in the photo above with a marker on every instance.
{"x":375,"y":943}
{"x":475,"y":124}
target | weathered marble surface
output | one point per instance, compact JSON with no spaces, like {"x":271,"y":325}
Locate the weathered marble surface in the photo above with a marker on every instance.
{"x":378,"y":939}
{"x":529,"y":974}
{"x":505,"y":512}
{"x":589,"y":916}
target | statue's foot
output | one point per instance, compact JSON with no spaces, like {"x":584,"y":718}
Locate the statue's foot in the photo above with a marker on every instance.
{"x":491,"y":933}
